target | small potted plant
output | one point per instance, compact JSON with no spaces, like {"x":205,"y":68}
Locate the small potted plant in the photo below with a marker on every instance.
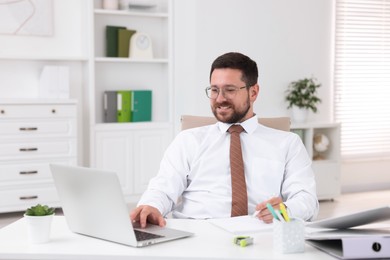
{"x":301,"y":96}
{"x":39,"y":220}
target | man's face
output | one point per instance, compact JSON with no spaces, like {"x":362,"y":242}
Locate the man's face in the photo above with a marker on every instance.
{"x":231,"y":108}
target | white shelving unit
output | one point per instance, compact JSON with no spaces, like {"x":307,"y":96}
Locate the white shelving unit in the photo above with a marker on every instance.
{"x":132,"y":150}
{"x":34,"y":133}
{"x":327,"y":168}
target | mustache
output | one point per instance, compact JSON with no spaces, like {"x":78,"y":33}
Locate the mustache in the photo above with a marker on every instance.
{"x":225,"y":103}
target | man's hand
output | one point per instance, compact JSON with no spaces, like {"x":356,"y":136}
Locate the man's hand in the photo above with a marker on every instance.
{"x":145,"y":213}
{"x":264,"y":213}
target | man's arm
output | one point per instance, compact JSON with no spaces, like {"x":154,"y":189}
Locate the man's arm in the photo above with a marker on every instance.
{"x":299,"y":187}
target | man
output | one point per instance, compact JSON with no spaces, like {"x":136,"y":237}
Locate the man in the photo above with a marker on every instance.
{"x":195,"y":180}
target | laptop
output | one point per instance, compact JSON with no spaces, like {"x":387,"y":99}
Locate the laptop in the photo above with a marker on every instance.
{"x":93,"y":205}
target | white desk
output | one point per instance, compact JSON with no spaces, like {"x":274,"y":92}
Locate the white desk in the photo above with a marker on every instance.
{"x":209,"y":242}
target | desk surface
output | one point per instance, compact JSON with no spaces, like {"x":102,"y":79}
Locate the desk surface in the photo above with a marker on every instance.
{"x":209,"y":242}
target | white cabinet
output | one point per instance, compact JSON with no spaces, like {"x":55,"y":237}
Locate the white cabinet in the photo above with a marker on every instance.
{"x":133,"y":154}
{"x":32,"y":135}
{"x":326,"y":165}
{"x":133,"y":150}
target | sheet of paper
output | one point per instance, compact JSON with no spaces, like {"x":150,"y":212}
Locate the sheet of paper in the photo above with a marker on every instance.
{"x":241,"y":225}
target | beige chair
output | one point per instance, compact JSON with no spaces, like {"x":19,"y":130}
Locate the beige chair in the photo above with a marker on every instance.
{"x":187,"y":121}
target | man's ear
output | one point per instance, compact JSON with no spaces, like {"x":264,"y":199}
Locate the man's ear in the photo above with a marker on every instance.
{"x":254,"y":91}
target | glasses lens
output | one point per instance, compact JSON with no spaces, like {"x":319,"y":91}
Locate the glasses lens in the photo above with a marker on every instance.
{"x":212,"y":92}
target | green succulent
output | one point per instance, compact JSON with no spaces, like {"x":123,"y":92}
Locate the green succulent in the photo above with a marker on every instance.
{"x":40,"y":210}
{"x":302,"y":93}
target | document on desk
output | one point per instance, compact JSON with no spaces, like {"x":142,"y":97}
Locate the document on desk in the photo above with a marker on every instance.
{"x":241,"y":225}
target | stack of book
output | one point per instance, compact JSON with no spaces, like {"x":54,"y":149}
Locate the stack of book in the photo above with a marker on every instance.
{"x":118,"y":41}
{"x":127,"y":106}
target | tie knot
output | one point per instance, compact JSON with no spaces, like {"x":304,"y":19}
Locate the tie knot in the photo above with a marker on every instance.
{"x":235,"y":129}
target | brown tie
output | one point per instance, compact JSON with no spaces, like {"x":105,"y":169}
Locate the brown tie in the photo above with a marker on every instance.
{"x":239,"y":195}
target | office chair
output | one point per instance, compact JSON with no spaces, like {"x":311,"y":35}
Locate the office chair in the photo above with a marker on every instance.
{"x":189,"y":121}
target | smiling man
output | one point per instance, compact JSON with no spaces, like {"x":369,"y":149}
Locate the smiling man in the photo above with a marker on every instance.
{"x":197,"y":175}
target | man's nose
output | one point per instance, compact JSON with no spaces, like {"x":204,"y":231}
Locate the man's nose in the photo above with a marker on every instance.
{"x":221,"y":96}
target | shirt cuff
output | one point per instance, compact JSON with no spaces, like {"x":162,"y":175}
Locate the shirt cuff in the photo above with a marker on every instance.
{"x":156,"y":199}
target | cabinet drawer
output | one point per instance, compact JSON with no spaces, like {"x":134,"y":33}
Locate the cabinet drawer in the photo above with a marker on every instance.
{"x":36,"y":128}
{"x":22,"y":199}
{"x":29,"y":171}
{"x":34,"y":150}
{"x":37,"y":111}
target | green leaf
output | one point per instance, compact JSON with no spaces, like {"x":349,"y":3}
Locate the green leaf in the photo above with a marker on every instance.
{"x":303,"y":94}
{"x":39,"y":210}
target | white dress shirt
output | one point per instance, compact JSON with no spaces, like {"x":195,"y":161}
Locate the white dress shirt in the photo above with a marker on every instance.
{"x":194,"y":176}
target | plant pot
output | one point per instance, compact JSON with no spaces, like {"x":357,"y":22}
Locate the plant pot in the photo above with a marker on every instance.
{"x":299,"y":114}
{"x":38,"y":228}
{"x":111,"y":4}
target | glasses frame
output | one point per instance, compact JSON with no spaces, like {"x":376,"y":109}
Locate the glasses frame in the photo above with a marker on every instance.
{"x":223,"y":91}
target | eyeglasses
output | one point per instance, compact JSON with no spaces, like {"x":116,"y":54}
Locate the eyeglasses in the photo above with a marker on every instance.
{"x":228,"y":92}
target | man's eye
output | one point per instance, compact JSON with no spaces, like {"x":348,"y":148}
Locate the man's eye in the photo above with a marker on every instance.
{"x":230,"y":90}
{"x":214,"y":90}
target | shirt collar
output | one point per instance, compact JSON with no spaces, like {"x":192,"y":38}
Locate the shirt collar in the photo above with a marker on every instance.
{"x":249,"y":125}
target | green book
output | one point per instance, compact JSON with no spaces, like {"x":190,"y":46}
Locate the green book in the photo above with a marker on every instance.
{"x":124,"y":36}
{"x":112,"y":40}
{"x":141,"y":106}
{"x":124,"y":106}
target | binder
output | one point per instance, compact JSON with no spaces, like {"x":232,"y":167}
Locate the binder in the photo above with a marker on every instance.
{"x":112,"y":40}
{"x":124,"y":36}
{"x":352,"y":243}
{"x":124,"y":106}
{"x":110,"y":106}
{"x":141,"y":106}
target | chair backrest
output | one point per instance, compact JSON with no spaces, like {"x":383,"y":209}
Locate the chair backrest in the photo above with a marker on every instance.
{"x":188,"y":121}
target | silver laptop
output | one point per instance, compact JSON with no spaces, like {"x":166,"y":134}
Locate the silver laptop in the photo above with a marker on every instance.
{"x":93,"y":205}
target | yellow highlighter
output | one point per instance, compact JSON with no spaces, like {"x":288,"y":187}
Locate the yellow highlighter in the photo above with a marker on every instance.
{"x":283,"y":210}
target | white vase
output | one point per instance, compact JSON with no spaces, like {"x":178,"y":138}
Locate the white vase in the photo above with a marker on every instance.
{"x":111,"y":4}
{"x":38,"y":228}
{"x":299,"y":114}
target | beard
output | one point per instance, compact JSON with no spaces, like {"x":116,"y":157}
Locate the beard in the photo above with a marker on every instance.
{"x":236,"y":116}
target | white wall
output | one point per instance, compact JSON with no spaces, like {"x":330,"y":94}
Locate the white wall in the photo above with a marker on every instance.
{"x":288,"y":39}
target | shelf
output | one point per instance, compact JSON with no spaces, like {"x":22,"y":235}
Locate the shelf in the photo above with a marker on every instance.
{"x":41,"y":58}
{"x":131,"y":13}
{"x":131,"y":126}
{"x":32,"y":101}
{"x":313,"y":125}
{"x":130,"y":60}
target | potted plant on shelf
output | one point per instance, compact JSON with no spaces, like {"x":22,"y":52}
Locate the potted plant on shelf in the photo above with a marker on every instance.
{"x":39,"y":220}
{"x":301,"y":96}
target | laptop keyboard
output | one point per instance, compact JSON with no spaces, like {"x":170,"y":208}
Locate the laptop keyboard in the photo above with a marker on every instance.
{"x":141,"y":235}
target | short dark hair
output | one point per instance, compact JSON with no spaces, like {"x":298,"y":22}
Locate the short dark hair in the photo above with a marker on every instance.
{"x":235,"y":60}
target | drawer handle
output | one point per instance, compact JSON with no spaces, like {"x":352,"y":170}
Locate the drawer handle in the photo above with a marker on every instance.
{"x":28,"y":197}
{"x":2,"y":111}
{"x":28,"y":128}
{"x":28,"y":149}
{"x":28,"y":172}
